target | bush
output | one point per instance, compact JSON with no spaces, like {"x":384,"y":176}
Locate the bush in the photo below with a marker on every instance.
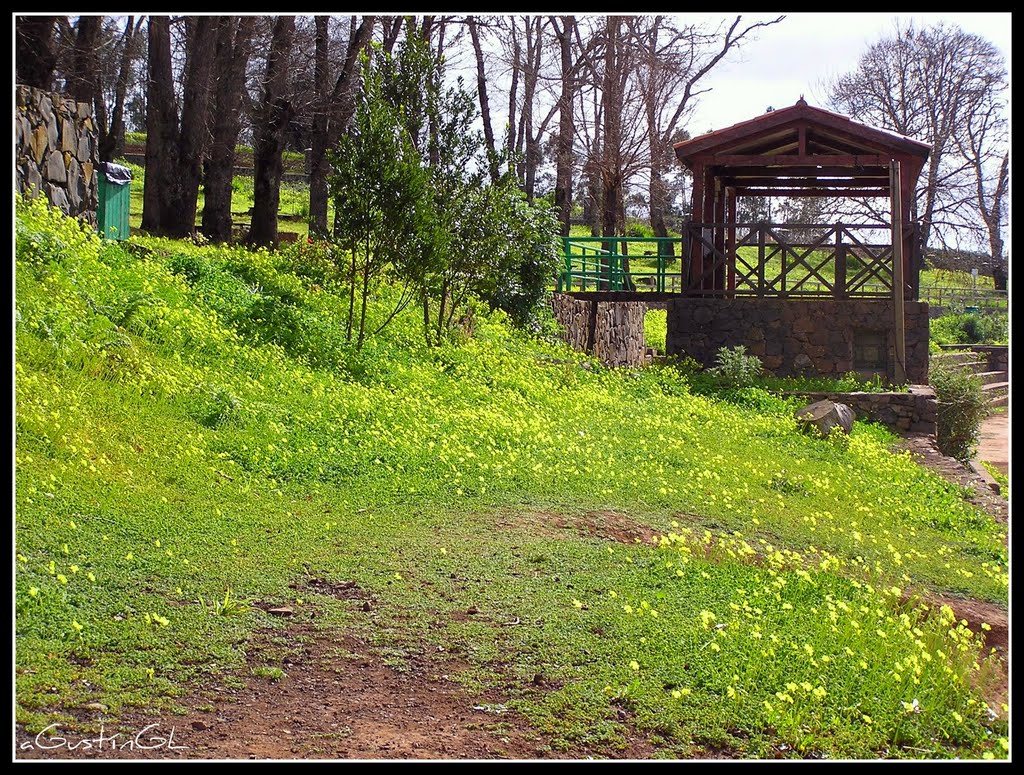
{"x":735,"y":368}
{"x":961,"y":410}
{"x":969,"y":328}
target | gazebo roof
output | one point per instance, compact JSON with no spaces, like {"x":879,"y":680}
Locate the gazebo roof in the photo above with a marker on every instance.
{"x":802,"y":150}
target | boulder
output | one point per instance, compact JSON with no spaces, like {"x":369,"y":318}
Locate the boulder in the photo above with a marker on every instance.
{"x":825,"y":415}
{"x":55,"y":169}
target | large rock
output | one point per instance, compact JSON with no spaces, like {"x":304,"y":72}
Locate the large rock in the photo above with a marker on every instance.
{"x":825,"y":415}
{"x":75,"y":186}
{"x":38,"y":143}
{"x":68,"y":137}
{"x":57,"y":197}
{"x":55,"y":169}
{"x":33,"y":180}
{"x":84,"y":147}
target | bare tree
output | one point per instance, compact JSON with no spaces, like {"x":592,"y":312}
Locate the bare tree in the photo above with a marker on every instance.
{"x":111,"y":132}
{"x":333,"y":110}
{"x":565,"y":29}
{"x":175,"y":145}
{"x":35,"y":50}
{"x":231,"y":57}
{"x":672,"y":62}
{"x":82,"y":81}
{"x":919,"y":82}
{"x":485,"y":105}
{"x":273,"y":116}
{"x":981,"y":141}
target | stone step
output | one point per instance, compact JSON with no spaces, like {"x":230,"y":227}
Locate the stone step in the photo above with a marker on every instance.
{"x":974,"y":366}
{"x":955,"y":356}
{"x":996,"y":390}
{"x":991,"y":377}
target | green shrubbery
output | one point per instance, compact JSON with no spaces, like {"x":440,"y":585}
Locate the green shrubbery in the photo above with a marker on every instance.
{"x":735,"y":369}
{"x":961,"y":409}
{"x":970,"y":328}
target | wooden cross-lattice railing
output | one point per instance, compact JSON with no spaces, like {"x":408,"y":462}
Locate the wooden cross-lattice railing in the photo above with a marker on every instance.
{"x":743,"y":259}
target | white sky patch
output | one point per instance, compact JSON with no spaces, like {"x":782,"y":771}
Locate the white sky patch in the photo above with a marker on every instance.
{"x":798,"y":55}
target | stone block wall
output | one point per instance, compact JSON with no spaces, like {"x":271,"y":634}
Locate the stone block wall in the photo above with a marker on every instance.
{"x":611,"y":331}
{"x":913,"y":412}
{"x":56,"y":151}
{"x":793,"y":337}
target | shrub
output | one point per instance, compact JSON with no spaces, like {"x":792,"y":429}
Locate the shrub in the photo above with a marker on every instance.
{"x":734,"y":368}
{"x":961,"y":410}
{"x":969,"y":328}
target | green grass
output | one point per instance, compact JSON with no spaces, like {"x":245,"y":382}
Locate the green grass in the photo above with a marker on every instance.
{"x":190,"y":421}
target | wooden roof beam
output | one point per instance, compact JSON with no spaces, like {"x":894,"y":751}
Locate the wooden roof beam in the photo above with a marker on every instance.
{"x":875,"y":171}
{"x":812,"y":182}
{"x":832,"y":160}
{"x":839,"y":193}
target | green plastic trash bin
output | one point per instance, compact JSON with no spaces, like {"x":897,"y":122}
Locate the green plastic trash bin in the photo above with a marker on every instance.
{"x":113,"y":201}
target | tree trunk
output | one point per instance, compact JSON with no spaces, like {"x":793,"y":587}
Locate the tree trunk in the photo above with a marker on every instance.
{"x":161,"y":123}
{"x":611,"y":99}
{"x":566,"y":125}
{"x":234,"y":46}
{"x":82,"y":82}
{"x":179,"y":219}
{"x":333,"y":114}
{"x":111,"y":141}
{"x":35,"y":50}
{"x":612,"y":200}
{"x":276,"y":112}
{"x":994,"y":222}
{"x":318,"y":142}
{"x":392,"y":27}
{"x":513,"y":93}
{"x":485,"y":107}
{"x":529,"y":143}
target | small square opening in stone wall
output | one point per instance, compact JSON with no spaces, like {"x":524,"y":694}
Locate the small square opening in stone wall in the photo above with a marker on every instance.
{"x":870,"y":350}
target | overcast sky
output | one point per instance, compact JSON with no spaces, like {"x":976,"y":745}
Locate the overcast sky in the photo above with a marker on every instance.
{"x":795,"y":56}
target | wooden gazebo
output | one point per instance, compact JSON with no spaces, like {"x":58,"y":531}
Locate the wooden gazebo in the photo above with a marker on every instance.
{"x":792,"y":152}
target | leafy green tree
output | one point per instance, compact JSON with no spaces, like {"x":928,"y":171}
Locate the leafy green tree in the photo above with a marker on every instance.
{"x":383,"y":212}
{"x":415,"y":200}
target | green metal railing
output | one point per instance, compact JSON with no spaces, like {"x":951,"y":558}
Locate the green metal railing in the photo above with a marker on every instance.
{"x":606,"y":264}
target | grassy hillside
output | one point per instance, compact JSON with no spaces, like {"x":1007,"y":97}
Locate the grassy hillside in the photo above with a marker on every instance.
{"x":192,"y":426}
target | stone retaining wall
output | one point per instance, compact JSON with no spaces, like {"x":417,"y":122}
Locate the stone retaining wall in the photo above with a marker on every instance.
{"x":793,"y":337}
{"x":912,"y":412}
{"x":611,"y":331}
{"x":55,"y":151}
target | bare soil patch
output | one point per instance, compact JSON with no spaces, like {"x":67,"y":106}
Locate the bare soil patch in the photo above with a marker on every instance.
{"x":606,"y":525}
{"x":334,"y":701}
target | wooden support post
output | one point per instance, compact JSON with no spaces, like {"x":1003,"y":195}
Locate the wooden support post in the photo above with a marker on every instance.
{"x":840,"y":289}
{"x":718,"y":240}
{"x":761,"y":249}
{"x":730,"y":200}
{"x":708,"y":217}
{"x":912,"y":261}
{"x":696,"y":217}
{"x":898,"y":283}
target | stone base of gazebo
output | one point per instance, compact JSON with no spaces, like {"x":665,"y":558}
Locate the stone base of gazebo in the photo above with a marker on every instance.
{"x":819,"y":337}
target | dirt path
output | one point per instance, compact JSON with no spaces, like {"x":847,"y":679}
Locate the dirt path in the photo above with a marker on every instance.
{"x":994,"y":444}
{"x":333,"y":701}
